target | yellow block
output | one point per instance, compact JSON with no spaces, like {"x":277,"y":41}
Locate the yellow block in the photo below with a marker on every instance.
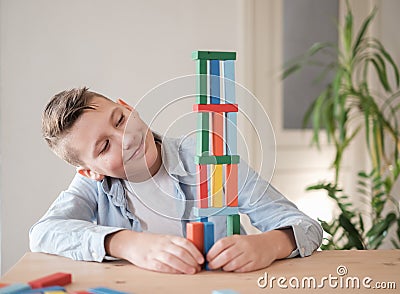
{"x":216,"y":186}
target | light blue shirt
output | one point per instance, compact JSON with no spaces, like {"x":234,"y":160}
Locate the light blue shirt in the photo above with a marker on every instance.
{"x":77,"y":223}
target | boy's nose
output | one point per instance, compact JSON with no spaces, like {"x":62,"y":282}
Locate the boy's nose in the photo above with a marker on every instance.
{"x":128,"y":141}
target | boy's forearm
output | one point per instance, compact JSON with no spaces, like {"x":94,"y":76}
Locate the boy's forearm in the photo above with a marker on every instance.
{"x":115,"y":243}
{"x":283,"y":242}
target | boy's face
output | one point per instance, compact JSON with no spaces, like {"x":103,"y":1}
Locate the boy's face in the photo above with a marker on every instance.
{"x":112,"y":145}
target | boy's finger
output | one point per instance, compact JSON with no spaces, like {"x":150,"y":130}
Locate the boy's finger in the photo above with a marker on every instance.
{"x":219,"y":246}
{"x":182,"y":254}
{"x":226,"y":257}
{"x":191,"y":248}
{"x":171,"y":260}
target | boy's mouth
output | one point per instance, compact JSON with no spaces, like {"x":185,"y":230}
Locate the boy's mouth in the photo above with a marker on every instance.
{"x":137,"y":151}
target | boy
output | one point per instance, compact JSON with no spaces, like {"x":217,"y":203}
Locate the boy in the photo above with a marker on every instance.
{"x":120,"y":161}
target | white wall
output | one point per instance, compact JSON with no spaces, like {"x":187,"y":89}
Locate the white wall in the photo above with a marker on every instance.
{"x":119,"y":48}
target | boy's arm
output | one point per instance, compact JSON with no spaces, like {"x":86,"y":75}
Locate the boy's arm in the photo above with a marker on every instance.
{"x":68,"y":228}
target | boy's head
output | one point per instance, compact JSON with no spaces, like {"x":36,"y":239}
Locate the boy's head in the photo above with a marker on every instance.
{"x":94,"y":134}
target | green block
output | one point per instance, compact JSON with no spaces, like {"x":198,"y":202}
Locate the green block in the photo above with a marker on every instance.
{"x":208,"y":55}
{"x":233,"y":225}
{"x":201,"y":81}
{"x":212,"y":159}
{"x":202,"y":139}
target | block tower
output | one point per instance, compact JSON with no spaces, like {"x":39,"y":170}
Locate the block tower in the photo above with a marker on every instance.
{"x":216,"y":147}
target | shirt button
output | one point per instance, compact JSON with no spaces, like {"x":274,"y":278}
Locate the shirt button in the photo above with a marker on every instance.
{"x":302,"y":250}
{"x":94,"y":255}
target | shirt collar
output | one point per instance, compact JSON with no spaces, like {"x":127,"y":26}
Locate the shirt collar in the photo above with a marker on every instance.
{"x":170,"y":152}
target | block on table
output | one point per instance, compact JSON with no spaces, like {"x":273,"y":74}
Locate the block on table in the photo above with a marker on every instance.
{"x":56,"y":279}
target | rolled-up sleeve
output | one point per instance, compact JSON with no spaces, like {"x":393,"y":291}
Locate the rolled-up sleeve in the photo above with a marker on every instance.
{"x":269,"y":210}
{"x":69,"y":226}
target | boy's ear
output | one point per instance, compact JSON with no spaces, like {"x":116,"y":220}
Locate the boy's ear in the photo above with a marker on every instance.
{"x":89,"y":174}
{"x":126,"y":105}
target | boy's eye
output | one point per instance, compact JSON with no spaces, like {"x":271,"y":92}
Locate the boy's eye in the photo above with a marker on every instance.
{"x":121,"y":120}
{"x":104,"y":149}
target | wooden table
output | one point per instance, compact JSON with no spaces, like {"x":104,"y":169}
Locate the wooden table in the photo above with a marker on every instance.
{"x":326,"y":267}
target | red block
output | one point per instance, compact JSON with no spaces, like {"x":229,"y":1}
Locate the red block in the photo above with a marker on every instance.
{"x":231,"y":185}
{"x":202,"y":185}
{"x":56,"y":279}
{"x":217,"y":133}
{"x":215,"y":107}
{"x":3,"y":285}
{"x":195,"y":233}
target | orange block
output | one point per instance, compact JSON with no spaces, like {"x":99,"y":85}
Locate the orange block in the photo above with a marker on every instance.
{"x":195,"y":234}
{"x":231,"y":185}
{"x":218,"y":133}
{"x":202,"y":185}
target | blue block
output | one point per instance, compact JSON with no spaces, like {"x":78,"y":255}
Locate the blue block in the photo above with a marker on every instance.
{"x":231,"y":133}
{"x":42,"y":290}
{"x":202,"y":219}
{"x":231,"y":117}
{"x":224,"y":291}
{"x":229,"y":81}
{"x":208,"y":236}
{"x":15,"y":288}
{"x":213,"y":211}
{"x":103,"y":290}
{"x":214,"y":82}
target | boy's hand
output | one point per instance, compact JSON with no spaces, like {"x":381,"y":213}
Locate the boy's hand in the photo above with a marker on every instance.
{"x":250,"y":252}
{"x":161,"y":253}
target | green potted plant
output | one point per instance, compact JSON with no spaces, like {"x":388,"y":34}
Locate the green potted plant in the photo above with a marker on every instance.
{"x":348,"y":96}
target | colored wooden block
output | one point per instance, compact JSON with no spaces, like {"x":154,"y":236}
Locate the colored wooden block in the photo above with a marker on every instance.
{"x":54,"y":292}
{"x":208,"y":239}
{"x":202,"y":134}
{"x":103,"y":290}
{"x":217,"y":194}
{"x":227,"y":107}
{"x":231,"y":185}
{"x":231,"y":133}
{"x":201,"y":81}
{"x":15,"y":288}
{"x":56,"y":279}
{"x":51,"y":289}
{"x":230,"y":97}
{"x":211,"y":159}
{"x":229,"y":81}
{"x":3,"y":285}
{"x":224,"y":291}
{"x":214,"y":211}
{"x":233,"y":225}
{"x":195,"y":233}
{"x":202,"y":219}
{"x":217,"y":134}
{"x":215,"y":89}
{"x":208,"y":236}
{"x":202,"y":185}
{"x":209,"y":55}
